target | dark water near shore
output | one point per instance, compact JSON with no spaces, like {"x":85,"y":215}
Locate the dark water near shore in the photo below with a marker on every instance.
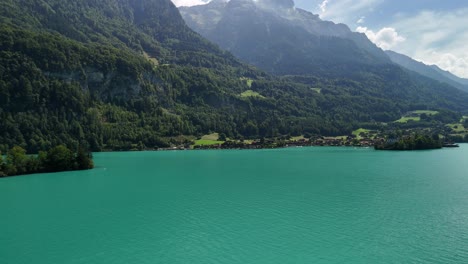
{"x":301,"y":205}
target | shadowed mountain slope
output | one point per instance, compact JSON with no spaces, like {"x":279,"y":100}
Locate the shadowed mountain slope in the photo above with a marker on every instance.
{"x":130,"y":74}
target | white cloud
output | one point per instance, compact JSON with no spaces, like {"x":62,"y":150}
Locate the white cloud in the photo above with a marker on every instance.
{"x":438,"y":38}
{"x":189,"y":2}
{"x":386,"y":38}
{"x":323,"y":6}
{"x":361,"y":20}
{"x":452,"y":63}
{"x":346,"y":11}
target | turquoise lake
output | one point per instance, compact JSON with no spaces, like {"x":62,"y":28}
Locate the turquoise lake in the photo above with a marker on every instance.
{"x":296,"y":205}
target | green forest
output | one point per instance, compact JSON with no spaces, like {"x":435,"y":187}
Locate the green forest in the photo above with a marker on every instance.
{"x":59,"y":158}
{"x":412,"y":142}
{"x":121,"y":75}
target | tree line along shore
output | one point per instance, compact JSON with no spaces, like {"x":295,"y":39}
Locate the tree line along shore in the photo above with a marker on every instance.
{"x":59,"y":158}
{"x":407,"y":142}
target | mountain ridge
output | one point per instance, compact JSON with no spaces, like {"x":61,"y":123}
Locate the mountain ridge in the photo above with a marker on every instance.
{"x":331,"y":45}
{"x":450,"y":75}
{"x":431,"y":71}
{"x":296,"y":43}
{"x":128,"y":74}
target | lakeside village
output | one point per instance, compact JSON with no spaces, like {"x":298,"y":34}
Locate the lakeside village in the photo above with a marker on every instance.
{"x":406,"y":143}
{"x":415,"y":130}
{"x":293,"y":142}
{"x":414,"y":141}
{"x":60,"y":158}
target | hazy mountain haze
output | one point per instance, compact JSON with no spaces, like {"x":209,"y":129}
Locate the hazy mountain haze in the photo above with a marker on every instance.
{"x":130,"y":74}
{"x":431,"y":71}
{"x":430,"y":31}
{"x":281,"y":39}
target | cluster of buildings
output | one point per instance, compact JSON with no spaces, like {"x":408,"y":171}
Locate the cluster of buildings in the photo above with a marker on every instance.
{"x":304,"y":142}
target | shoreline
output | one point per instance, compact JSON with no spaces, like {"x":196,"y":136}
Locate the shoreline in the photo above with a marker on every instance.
{"x":265,"y":144}
{"x":217,"y":147}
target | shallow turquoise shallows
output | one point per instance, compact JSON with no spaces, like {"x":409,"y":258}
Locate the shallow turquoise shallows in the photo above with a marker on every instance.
{"x":298,"y":205}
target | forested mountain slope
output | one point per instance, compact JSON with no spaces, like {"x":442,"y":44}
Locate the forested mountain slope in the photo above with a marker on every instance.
{"x":130,"y":74}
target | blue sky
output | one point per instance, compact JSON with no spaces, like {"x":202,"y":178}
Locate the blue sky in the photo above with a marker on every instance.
{"x":431,"y":31}
{"x":377,"y":12}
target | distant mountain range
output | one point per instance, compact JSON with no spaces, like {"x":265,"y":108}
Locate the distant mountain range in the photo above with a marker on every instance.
{"x":281,"y":39}
{"x":431,"y":71}
{"x":450,"y":75}
{"x":287,"y":41}
{"x":130,"y":74}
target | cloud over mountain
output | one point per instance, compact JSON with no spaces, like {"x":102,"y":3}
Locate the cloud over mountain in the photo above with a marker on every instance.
{"x":346,"y":11}
{"x":431,"y":33}
{"x":436,"y":38}
{"x":386,"y":38}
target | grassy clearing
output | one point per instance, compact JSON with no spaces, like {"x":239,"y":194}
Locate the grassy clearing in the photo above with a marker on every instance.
{"x":205,"y":142}
{"x":369,"y":133}
{"x":248,"y":81}
{"x":213,"y":136}
{"x":297,"y":138}
{"x":427,"y":112}
{"x":457,"y":128}
{"x":406,"y":119}
{"x":415,"y":116}
{"x":360,"y":130}
{"x":208,"y":140}
{"x":250,"y":93}
{"x":151,"y":59}
{"x":318,"y":90}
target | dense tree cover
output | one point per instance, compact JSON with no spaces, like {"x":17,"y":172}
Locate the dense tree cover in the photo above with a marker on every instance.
{"x":129,"y":74}
{"x":57,"y":159}
{"x":85,"y":96}
{"x":412,"y":142}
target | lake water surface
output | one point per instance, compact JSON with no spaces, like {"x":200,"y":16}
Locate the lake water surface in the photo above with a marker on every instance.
{"x":298,"y":205}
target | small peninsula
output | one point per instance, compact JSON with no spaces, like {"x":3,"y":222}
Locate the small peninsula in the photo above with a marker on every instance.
{"x":57,"y":159}
{"x":411,"y":142}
